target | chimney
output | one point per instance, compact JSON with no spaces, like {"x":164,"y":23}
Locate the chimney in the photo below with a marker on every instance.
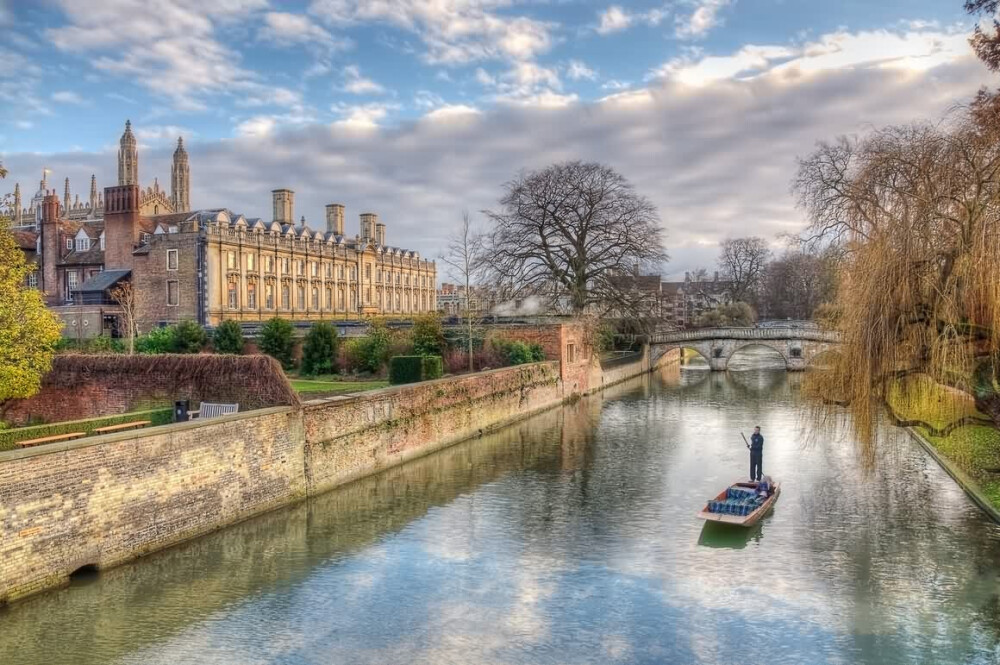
{"x":335,"y":218}
{"x":687,"y":277}
{"x":50,"y":248}
{"x":368,"y":222}
{"x":284,"y":206}
{"x":121,"y":225}
{"x":380,"y":233}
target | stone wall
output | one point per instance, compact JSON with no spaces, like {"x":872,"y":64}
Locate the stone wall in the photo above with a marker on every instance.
{"x":100,"y":501}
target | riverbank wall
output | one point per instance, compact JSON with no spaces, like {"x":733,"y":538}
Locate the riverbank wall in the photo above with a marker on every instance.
{"x":97,"y":502}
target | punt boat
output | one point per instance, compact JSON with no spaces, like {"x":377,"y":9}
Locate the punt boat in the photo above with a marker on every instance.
{"x":739,"y":505}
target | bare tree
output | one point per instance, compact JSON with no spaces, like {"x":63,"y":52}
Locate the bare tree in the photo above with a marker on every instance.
{"x":797,"y":283}
{"x":986,"y":43}
{"x":464,"y":258}
{"x":565,"y":233}
{"x":124,"y":295}
{"x":699,"y":275}
{"x":742,"y":262}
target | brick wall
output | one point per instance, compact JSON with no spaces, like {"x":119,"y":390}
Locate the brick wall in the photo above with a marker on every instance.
{"x":104,"y":500}
{"x":151,"y":275}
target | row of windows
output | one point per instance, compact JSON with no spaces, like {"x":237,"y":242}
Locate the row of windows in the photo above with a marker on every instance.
{"x":83,"y":244}
{"x":314,"y":268}
{"x":345,"y":299}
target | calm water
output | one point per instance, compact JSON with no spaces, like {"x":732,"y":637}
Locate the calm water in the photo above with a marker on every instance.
{"x":571,"y":538}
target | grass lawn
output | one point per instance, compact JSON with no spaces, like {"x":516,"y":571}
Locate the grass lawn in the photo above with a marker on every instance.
{"x":308,"y":386}
{"x":918,"y":397}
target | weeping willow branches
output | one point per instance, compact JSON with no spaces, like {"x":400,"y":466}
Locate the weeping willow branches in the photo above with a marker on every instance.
{"x":917,"y":209}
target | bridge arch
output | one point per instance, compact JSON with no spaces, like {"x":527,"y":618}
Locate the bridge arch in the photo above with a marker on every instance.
{"x":780,"y":349}
{"x":797,"y":346}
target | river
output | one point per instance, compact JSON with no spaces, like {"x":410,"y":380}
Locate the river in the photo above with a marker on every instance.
{"x":572,"y":538}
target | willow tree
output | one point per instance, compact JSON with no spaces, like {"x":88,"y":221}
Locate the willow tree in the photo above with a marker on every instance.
{"x":569,"y":233}
{"x":917,"y":211}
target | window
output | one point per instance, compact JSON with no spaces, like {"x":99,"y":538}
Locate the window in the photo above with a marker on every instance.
{"x":251,"y":296}
{"x":234,"y":295}
{"x":397,"y":279}
{"x":571,"y":353}
{"x":173,"y":293}
{"x":251,"y":262}
{"x":143,"y":238}
{"x":368,"y":273}
{"x":171,"y":259}
{"x":231,"y":260}
{"x":315,"y":298}
{"x":340,"y":299}
{"x":329,"y":298}
{"x":33,"y":280}
{"x":329,"y":271}
{"x":397,"y":302}
{"x":301,"y":297}
{"x":302,"y":266}
{"x":341,"y":272}
{"x":285,"y":297}
{"x":269,"y":296}
{"x":286,"y":266}
{"x":101,"y":240}
{"x":69,"y":244}
{"x":314,"y":269}
{"x":71,"y":281}
{"x":354,"y":273}
{"x":269,"y":264}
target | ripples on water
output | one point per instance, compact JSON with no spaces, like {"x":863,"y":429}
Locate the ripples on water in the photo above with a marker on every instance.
{"x":571,"y":538}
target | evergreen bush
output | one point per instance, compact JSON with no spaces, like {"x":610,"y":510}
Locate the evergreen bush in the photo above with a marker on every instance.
{"x":405,"y":369}
{"x":189,"y":337}
{"x":427,"y":335}
{"x":228,"y":338}
{"x":319,"y":350}
{"x":277,"y":340}
{"x":156,"y":341}
{"x":433,"y":367}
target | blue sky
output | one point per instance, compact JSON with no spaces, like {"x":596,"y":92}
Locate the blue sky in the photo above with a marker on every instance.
{"x":417,"y":109}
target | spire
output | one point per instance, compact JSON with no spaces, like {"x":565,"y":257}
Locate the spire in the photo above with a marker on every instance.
{"x":93,"y":193}
{"x":180,"y":179}
{"x":17,"y":204}
{"x":66,"y":197}
{"x":128,"y":157}
{"x":44,"y":184}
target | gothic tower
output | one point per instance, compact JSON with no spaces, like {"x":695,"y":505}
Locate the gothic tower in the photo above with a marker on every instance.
{"x":66,"y":197}
{"x":93,"y":195}
{"x":128,"y":158}
{"x":180,"y":179}
{"x":17,"y":204}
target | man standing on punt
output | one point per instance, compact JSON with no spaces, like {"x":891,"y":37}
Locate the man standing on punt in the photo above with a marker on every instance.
{"x":756,"y":455}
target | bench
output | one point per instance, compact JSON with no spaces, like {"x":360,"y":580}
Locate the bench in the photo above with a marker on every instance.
{"x":210,"y":410}
{"x":51,"y":439}
{"x":135,"y":424}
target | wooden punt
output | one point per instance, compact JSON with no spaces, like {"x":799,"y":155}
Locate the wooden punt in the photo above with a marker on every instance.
{"x":741,"y":520}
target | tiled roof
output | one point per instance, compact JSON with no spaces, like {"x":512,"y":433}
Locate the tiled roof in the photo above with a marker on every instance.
{"x":103,"y":281}
{"x":27,"y":240}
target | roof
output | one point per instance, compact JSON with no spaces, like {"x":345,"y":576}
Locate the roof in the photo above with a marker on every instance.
{"x":26,"y":239}
{"x":92,"y":256}
{"x":103,"y":281}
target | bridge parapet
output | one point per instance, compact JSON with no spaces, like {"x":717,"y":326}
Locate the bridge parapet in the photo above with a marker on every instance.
{"x":702,"y":334}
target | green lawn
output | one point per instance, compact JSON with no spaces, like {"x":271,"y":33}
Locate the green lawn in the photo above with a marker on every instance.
{"x":308,"y":386}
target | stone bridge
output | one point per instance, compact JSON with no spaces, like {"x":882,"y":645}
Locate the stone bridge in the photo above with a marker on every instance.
{"x":797,"y":346}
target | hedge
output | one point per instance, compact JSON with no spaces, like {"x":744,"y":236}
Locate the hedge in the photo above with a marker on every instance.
{"x":10,"y":437}
{"x":410,"y":369}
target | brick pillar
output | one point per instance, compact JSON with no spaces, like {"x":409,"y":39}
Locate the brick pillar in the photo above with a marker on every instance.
{"x":50,"y":249}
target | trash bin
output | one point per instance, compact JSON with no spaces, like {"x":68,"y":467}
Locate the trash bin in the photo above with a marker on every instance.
{"x":181,"y":410}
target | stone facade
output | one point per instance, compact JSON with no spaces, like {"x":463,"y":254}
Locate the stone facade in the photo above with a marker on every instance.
{"x":103,"y":500}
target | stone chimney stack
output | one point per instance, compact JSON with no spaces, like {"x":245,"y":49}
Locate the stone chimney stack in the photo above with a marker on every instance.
{"x":284,"y":205}
{"x":121,"y":226}
{"x":335,"y":218}
{"x":380,"y":233}
{"x":368,"y":222}
{"x":50,"y":248}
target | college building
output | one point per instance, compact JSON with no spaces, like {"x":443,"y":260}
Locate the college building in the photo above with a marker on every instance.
{"x":209,"y":265}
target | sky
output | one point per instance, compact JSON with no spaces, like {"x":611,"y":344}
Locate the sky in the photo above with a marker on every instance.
{"x":420,"y":109}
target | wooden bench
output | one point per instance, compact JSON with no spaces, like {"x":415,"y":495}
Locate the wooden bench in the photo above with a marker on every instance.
{"x":50,"y":439}
{"x":210,"y":410}
{"x":135,"y":424}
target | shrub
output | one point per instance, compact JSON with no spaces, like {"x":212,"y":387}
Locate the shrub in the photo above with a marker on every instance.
{"x":427,"y":335}
{"x":277,"y":340}
{"x":319,"y":350}
{"x":157,"y":340}
{"x":516,"y":352}
{"x":228,"y":338}
{"x":537,"y":353}
{"x":189,"y":337}
{"x":734,"y":314}
{"x":375,"y":347}
{"x":405,"y":369}
{"x":432,"y":367}
{"x":410,"y":369}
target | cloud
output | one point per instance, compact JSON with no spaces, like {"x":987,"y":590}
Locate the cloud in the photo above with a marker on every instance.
{"x":67,"y":97}
{"x":577,"y":70}
{"x":702,"y":20}
{"x":614,"y":19}
{"x":288,"y":30}
{"x":526,"y":83}
{"x":453,"y":33}
{"x":356,"y":84}
{"x":715,"y":158}
{"x":173,"y":51}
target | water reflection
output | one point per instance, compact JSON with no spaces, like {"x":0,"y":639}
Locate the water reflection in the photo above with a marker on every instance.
{"x":571,"y":538}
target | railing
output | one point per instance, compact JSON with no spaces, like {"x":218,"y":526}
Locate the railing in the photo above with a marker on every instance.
{"x":744,"y":333}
